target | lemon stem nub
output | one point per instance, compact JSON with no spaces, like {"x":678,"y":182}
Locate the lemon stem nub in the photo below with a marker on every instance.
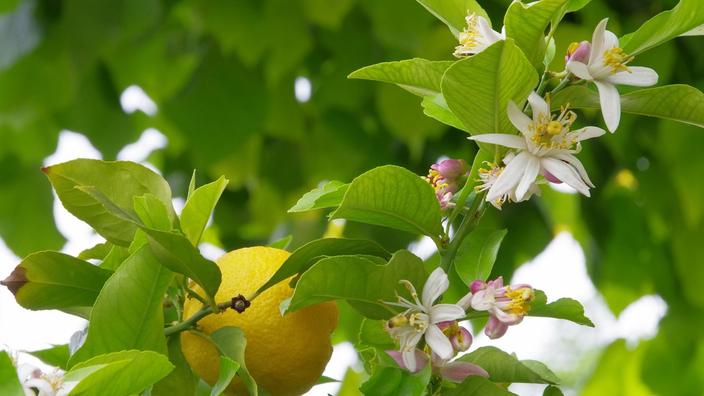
{"x":240,"y":303}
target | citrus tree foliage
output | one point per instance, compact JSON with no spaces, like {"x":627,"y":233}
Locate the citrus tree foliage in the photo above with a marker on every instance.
{"x":222,"y":75}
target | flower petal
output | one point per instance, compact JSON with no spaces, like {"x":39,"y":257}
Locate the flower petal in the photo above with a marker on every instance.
{"x":466,"y":301}
{"x":538,"y":104}
{"x":420,"y":357}
{"x":495,"y":328}
{"x":487,"y":32}
{"x":444,"y":312}
{"x":598,"y":46}
{"x":576,"y":164}
{"x":434,"y":287}
{"x":610,"y":40}
{"x":457,"y":371}
{"x":518,"y":118}
{"x":409,"y":360}
{"x":502,"y":139}
{"x":531,"y":172}
{"x":509,"y":178}
{"x":588,"y":133}
{"x":566,"y":173}
{"x":483,"y":300}
{"x":635,"y":76}
{"x":438,"y":342}
{"x":610,"y":104}
{"x":579,"y":69}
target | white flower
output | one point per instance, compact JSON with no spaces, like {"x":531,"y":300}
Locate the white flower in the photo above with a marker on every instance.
{"x":489,"y":176}
{"x":36,"y":383}
{"x":477,"y":36}
{"x":547,"y":147}
{"x":421,"y":317}
{"x":606,"y":68}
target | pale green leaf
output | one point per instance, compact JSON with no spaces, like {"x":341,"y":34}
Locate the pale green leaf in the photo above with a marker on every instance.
{"x":564,"y":308}
{"x":678,"y":102}
{"x":97,"y":252}
{"x":476,"y":255}
{"x":181,"y":380}
{"x":526,"y":24}
{"x":56,"y":356}
{"x":477,"y":89}
{"x":231,"y":342}
{"x":282,"y":243}
{"x":152,"y":212}
{"x":128,"y":312}
{"x":326,"y":196}
{"x":199,"y":207}
{"x":453,"y":12}
{"x":394,"y":197}
{"x":228,"y":369}
{"x":687,"y":15}
{"x":361,"y":281}
{"x":436,"y":107}
{"x":476,"y":385}
{"x":503,"y":367}
{"x":9,"y":383}
{"x":418,"y":76}
{"x":552,"y":391}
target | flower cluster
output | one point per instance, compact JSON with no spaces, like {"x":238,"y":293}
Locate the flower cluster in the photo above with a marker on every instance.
{"x":438,"y":326}
{"x":446,"y":176}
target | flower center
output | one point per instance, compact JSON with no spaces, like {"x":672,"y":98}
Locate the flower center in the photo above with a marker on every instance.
{"x":419,"y":321}
{"x":469,"y":37}
{"x":520,"y":300}
{"x":552,"y":132}
{"x":617,"y":59}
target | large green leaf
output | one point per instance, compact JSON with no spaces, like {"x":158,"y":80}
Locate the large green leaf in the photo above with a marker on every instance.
{"x":305,"y":256}
{"x":453,"y":12}
{"x":687,"y":15}
{"x":504,"y":367}
{"x":128,"y":312}
{"x":477,"y":89}
{"x":181,"y":380}
{"x":119,"y":373}
{"x":119,"y":181}
{"x":478,"y":386}
{"x":359,"y":280}
{"x":436,"y":107}
{"x":9,"y":383}
{"x":677,"y":102}
{"x":476,"y":255}
{"x":563,"y":308}
{"x":53,"y":280}
{"x":328,"y":195}
{"x":199,"y":207}
{"x":526,"y":24}
{"x":393,"y":197}
{"x":418,"y":76}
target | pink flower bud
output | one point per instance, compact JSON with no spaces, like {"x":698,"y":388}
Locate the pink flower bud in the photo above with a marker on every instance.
{"x":495,"y":328}
{"x":461,"y":340}
{"x":476,"y":286}
{"x":578,"y":52}
{"x":451,"y":169}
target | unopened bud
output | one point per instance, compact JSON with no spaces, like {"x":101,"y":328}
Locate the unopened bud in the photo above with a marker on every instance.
{"x":451,"y":168}
{"x":461,"y":340}
{"x":495,"y":328}
{"x":578,"y":52}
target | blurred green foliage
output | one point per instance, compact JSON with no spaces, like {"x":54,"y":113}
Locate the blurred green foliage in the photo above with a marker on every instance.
{"x":222,"y":74}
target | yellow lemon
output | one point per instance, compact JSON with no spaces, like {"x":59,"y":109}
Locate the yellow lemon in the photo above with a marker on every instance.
{"x":285,"y":355}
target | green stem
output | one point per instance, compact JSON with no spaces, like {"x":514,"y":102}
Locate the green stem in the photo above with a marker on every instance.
{"x":191,"y":322}
{"x":475,"y":213}
{"x":195,"y":295}
{"x":562,"y":84}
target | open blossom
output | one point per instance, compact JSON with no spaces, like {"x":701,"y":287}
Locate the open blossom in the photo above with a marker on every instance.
{"x":506,"y":304}
{"x":453,"y":371}
{"x":36,"y":383}
{"x":421,"y":319}
{"x":547,"y":146}
{"x":445,"y":177}
{"x":489,"y":174}
{"x":607,"y":67}
{"x":477,"y":36}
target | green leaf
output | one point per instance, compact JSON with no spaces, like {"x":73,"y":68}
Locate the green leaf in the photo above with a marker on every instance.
{"x":128,"y":312}
{"x":56,"y":356}
{"x":477,"y":89}
{"x":282,"y":243}
{"x":228,"y":369}
{"x":436,"y":107}
{"x":372,"y":333}
{"x":232,"y":343}
{"x":687,"y":15}
{"x":564,"y":308}
{"x":152,"y":212}
{"x":576,"y":5}
{"x":394,"y":197}
{"x":476,"y":255}
{"x":389,"y":379}
{"x":199,"y":207}
{"x":328,"y":195}
{"x":453,"y":12}
{"x":118,"y":374}
{"x":503,"y":367}
{"x":119,"y":181}
{"x":53,"y":280}
{"x":181,"y":380}
{"x":418,"y":76}
{"x":9,"y":383}
{"x":97,"y":252}
{"x":359,"y":280}
{"x":552,"y":391}
{"x":526,"y":24}
{"x":476,"y":385}
{"x":681,"y":103}
{"x":305,"y":256}
{"x":115,"y":257}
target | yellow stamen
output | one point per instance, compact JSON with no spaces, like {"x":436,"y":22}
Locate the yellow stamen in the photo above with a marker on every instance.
{"x":520,"y":300}
{"x":617,"y":59}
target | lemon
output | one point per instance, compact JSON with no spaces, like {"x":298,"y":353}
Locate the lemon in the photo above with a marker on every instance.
{"x":285,"y":355}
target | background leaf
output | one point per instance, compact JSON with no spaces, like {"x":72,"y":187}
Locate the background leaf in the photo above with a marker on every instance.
{"x":503,"y":367}
{"x":563,"y":308}
{"x":687,"y":15}
{"x":476,"y":255}
{"x":326,"y":196}
{"x":478,"y":386}
{"x":56,"y":356}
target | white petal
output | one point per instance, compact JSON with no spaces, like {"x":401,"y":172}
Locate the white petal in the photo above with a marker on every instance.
{"x":438,"y":342}
{"x":610,"y":40}
{"x":518,"y":118}
{"x":444,"y":312}
{"x":483,"y":300}
{"x":538,"y":104}
{"x":502,"y":139}
{"x":635,"y":76}
{"x":579,"y":69}
{"x":466,"y":301}
{"x":434,"y":287}
{"x":566,"y":173}
{"x":588,"y":133}
{"x":576,"y":164}
{"x":487,"y":32}
{"x":509,"y":178}
{"x":610,"y":104}
{"x":409,"y":360}
{"x":598,"y":42}
{"x":531,"y":172}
